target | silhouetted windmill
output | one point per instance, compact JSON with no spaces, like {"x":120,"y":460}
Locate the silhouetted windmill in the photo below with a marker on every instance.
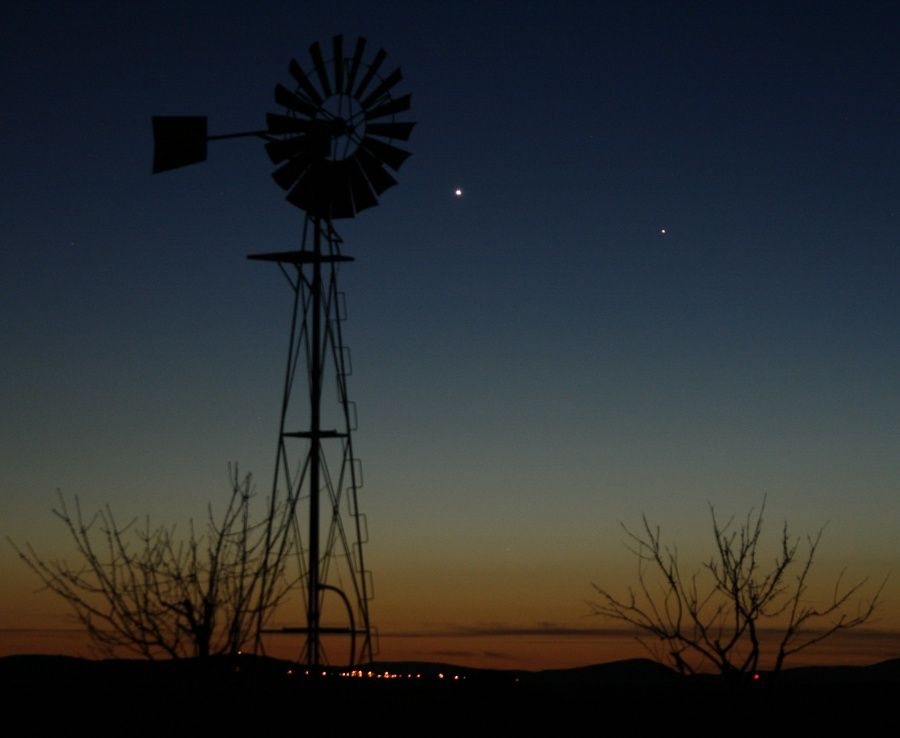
{"x":333,"y":147}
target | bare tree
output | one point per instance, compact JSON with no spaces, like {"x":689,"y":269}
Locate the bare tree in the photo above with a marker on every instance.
{"x":144,"y":590}
{"x":715,"y":616}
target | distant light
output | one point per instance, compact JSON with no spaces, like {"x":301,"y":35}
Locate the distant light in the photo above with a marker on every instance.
{"x":756,"y":677}
{"x":662,"y":231}
{"x":458,"y":192}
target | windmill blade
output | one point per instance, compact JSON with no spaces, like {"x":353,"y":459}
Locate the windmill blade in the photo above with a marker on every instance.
{"x":360,"y":187}
{"x":288,"y":148}
{"x":373,"y":68}
{"x":390,"y":155}
{"x":298,"y":74}
{"x":281,"y":124}
{"x":399,"y":105}
{"x":308,"y":194}
{"x":354,"y":65}
{"x":315,"y":51}
{"x":289,"y":173}
{"x":382,"y":89}
{"x":340,"y":194}
{"x":293,"y":101}
{"x":399,"y":131}
{"x":374,"y":171}
{"x":178,"y":140}
{"x":300,"y":192}
{"x":337,"y":44}
{"x":279,"y":151}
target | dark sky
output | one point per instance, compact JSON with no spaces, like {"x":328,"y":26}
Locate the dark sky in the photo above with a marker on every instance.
{"x":534,"y":361}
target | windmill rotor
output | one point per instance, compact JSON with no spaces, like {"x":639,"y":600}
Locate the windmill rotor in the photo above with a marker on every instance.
{"x":335,"y":141}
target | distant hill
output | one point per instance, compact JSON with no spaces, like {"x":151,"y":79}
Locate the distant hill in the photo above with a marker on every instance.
{"x":250,"y":693}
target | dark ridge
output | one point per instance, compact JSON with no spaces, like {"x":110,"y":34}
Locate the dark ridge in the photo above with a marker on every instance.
{"x":884,"y":672}
{"x":250,"y":693}
{"x":628,"y":672}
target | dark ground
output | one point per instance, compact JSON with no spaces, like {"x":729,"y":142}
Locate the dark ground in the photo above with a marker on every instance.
{"x":257,"y":696}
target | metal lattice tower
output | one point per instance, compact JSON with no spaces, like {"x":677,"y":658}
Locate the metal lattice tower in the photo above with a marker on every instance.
{"x":314,"y":461}
{"x":332,"y":145}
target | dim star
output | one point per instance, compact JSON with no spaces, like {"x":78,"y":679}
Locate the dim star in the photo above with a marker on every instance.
{"x":458,"y":192}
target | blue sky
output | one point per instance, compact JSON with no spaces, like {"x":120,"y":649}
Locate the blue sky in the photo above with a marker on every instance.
{"x":533,"y":362}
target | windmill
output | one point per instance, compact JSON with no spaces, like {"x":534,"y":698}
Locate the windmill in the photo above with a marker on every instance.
{"x":333,"y":147}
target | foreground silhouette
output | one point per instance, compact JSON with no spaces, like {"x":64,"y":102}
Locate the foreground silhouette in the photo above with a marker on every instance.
{"x":251,"y":693}
{"x":715,"y":617}
{"x":145,"y":591}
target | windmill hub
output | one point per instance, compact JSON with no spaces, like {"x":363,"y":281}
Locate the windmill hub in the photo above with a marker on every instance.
{"x":348,"y":126}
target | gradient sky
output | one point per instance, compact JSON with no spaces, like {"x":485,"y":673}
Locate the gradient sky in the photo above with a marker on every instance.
{"x":533,"y":362}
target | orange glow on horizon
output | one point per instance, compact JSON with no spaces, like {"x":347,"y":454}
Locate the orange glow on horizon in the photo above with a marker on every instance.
{"x":527,"y":652}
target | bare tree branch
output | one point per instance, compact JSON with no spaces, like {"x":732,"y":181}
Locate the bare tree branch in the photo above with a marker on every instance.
{"x":715,"y":617}
{"x":144,"y":590}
